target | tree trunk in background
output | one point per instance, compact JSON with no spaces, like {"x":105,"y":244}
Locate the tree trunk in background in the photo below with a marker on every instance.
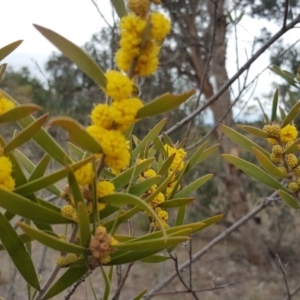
{"x":250,"y":233}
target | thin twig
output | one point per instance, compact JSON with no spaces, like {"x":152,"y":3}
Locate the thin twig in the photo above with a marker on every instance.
{"x":214,"y":242}
{"x":118,"y":291}
{"x":218,"y":287}
{"x":100,"y":13}
{"x":188,"y":289}
{"x":253,"y":58}
{"x":294,"y":292}
{"x":286,"y":10}
{"x":284,"y":277}
{"x":72,"y":290}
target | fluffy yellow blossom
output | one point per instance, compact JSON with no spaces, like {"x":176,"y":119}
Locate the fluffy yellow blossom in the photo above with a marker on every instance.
{"x":85,"y":174}
{"x":61,"y":261}
{"x":291,"y":160}
{"x":119,"y":162}
{"x":113,"y":142}
{"x":293,"y":186}
{"x":179,"y":156}
{"x":104,"y":188}
{"x":288,"y":134}
{"x":276,"y":158}
{"x":273,"y":129}
{"x":101,"y":116}
{"x":149,"y":173}
{"x":100,"y":206}
{"x":272,"y":141}
{"x":139,"y":7}
{"x":147,"y":61}
{"x":67,"y":211}
{"x":5,"y":167}
{"x":296,"y":171}
{"x":161,"y":26}
{"x":124,"y":112}
{"x":162,"y":214}
{"x":118,"y":85}
{"x":5,"y":104}
{"x":160,"y":198}
{"x":277,"y":150}
{"x":7,"y":183}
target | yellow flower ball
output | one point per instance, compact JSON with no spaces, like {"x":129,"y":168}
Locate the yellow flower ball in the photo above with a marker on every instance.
{"x":118,"y":85}
{"x":293,"y":186}
{"x":288,"y":134}
{"x":85,"y":174}
{"x":7,"y":183}
{"x":161,"y":26}
{"x":139,"y":7}
{"x":5,"y":104}
{"x":101,"y":116}
{"x":5,"y":167}
{"x":104,"y":188}
{"x":67,"y":211}
{"x":291,"y":160}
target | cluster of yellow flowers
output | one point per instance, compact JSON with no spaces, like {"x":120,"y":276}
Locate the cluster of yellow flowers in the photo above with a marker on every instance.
{"x":63,"y":261}
{"x":142,"y":34}
{"x":110,"y":121}
{"x":84,"y":176}
{"x":177,"y":165}
{"x":282,"y":139}
{"x":101,"y":245}
{"x":6,"y":181}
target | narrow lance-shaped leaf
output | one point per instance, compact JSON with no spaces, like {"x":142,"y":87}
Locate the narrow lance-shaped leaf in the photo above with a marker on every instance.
{"x":83,"y":61}
{"x":267,"y":164}
{"x":265,"y":115}
{"x":65,"y":281}
{"x":77,"y":133}
{"x":6,"y":50}
{"x":84,"y":224}
{"x":274,"y":106}
{"x":294,"y":147}
{"x":254,"y":172}
{"x":290,"y":200}
{"x":163,"y":104}
{"x":26,"y":134}
{"x":255,"y":131}
{"x":18,"y":113}
{"x":45,"y":181}
{"x":149,"y":138}
{"x":17,"y":252}
{"x":120,"y":7}
{"x":193,"y":160}
{"x":20,"y":205}
{"x":176,"y":202}
{"x":53,"y":242}
{"x":2,"y":70}
{"x":290,"y":117}
{"x":282,"y":113}
{"x":107,"y":284}
{"x":241,"y":140}
{"x":284,"y":75}
{"x":40,"y":168}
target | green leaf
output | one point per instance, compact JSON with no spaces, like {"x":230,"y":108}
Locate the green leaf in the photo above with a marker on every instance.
{"x":180,"y":216}
{"x":83,"y":61}
{"x":17,"y":252}
{"x":125,"y":177}
{"x":176,"y":202}
{"x":241,"y":140}
{"x":254,"y":172}
{"x":6,"y":50}
{"x":23,"y":237}
{"x":107,"y":284}
{"x":84,"y":224}
{"x":140,"y":295}
{"x":163,"y":103}
{"x":154,"y":259}
{"x":274,"y":106}
{"x":20,"y":205}
{"x":159,"y":146}
{"x":77,"y":133}
{"x":194,"y":158}
{"x":167,"y":140}
{"x":293,"y":99}
{"x":52,"y":241}
{"x":75,"y":188}
{"x":282,"y":113}
{"x":207,"y":153}
{"x":166,"y":165}
{"x":193,"y":186}
{"x":30,"y":168}
{"x":266,"y":119}
{"x":255,"y":131}
{"x":267,"y":164}
{"x":121,"y":199}
{"x":43,"y":182}
{"x":65,"y":281}
{"x":285,"y":75}
{"x":153,"y":244}
{"x":148,"y":138}
{"x":18,"y":113}
{"x":290,"y":200}
{"x":77,"y":151}
{"x":26,"y":134}
{"x":120,"y":7}
{"x":142,"y":187}
{"x":2,"y":70}
{"x":291,"y":115}
{"x":294,"y":147}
